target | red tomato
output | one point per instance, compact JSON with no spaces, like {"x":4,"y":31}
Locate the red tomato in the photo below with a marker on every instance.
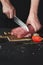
{"x":36,"y":38}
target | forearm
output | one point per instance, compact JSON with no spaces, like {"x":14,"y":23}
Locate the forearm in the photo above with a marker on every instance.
{"x":4,"y":1}
{"x":34,"y":6}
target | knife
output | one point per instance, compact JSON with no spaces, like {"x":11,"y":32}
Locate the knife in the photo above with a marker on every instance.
{"x":20,"y":23}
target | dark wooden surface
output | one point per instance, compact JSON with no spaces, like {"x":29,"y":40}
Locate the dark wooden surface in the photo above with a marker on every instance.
{"x":20,"y":52}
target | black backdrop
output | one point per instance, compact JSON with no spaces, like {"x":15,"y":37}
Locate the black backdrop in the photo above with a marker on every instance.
{"x":22,"y":9}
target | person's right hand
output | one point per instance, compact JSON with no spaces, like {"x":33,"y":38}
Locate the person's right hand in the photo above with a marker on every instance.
{"x":8,"y":9}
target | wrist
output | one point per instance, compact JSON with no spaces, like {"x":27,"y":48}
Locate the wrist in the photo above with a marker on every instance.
{"x":34,"y":10}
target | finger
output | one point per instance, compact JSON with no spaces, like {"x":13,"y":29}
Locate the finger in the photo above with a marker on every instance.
{"x":14,"y":12}
{"x":28,"y":22}
{"x":8,"y":14}
{"x":11,"y":14}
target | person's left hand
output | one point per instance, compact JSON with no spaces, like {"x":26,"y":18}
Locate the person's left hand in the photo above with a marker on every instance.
{"x":8,"y":9}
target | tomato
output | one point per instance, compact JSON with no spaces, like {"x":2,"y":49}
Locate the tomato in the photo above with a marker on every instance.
{"x":36,"y":38}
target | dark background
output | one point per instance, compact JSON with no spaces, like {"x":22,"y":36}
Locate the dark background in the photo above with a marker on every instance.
{"x":22,"y":9}
{"x":10,"y":51}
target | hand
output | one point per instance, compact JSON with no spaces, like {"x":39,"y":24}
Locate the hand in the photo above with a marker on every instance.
{"x":8,"y":9}
{"x":20,"y":32}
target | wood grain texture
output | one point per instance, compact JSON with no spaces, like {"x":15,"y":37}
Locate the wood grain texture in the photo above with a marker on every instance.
{"x":12,"y":38}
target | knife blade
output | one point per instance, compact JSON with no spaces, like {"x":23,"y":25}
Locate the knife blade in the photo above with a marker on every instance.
{"x":20,"y":23}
